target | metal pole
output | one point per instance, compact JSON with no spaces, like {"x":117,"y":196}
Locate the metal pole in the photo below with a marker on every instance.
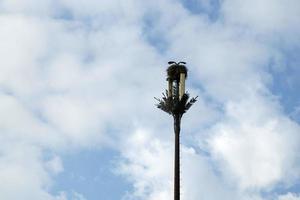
{"x":177,"y":157}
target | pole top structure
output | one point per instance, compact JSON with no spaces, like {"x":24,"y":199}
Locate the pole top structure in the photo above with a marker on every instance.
{"x":175,"y":69}
{"x":175,"y":99}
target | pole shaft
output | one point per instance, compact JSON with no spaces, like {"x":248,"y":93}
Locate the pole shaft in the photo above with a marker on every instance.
{"x":177,"y":157}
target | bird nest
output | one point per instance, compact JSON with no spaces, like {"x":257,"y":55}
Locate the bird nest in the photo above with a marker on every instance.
{"x":175,"y":70}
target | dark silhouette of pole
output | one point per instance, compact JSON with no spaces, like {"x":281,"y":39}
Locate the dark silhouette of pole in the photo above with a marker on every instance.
{"x":177,"y":157}
{"x":175,"y":102}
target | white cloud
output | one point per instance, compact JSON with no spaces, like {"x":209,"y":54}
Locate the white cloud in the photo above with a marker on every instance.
{"x":257,"y":146}
{"x":205,"y":184}
{"x":262,"y":14}
{"x":22,"y":173}
{"x":276,"y":19}
{"x":65,"y":82}
{"x":52,"y":99}
{"x":55,"y":165}
{"x":149,"y":170}
{"x":28,"y":7}
{"x":22,"y":43}
{"x":289,"y":196}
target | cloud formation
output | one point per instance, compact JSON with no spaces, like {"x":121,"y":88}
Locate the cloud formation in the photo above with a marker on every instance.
{"x":77,"y":75}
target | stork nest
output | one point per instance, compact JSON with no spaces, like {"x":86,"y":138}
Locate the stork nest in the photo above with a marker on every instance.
{"x":175,"y":70}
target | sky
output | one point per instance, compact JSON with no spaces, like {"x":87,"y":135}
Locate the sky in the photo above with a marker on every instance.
{"x":77,"y":115}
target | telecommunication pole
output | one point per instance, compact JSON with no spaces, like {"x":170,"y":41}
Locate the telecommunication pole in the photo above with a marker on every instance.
{"x":176,"y":102}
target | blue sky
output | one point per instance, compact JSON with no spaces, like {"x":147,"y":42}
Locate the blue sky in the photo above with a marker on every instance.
{"x":78,"y":117}
{"x":92,"y":173}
